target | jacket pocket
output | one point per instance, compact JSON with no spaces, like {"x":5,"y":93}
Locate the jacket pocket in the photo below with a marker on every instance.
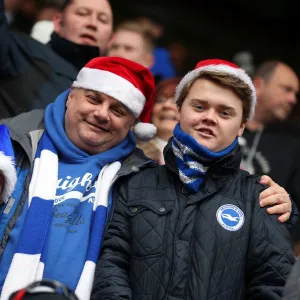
{"x":148,"y":224}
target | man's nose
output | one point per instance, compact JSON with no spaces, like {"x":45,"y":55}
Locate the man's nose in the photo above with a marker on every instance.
{"x":292,"y":98}
{"x":170,"y":104}
{"x":93,"y":22}
{"x":102,"y":113}
{"x":209,"y":116}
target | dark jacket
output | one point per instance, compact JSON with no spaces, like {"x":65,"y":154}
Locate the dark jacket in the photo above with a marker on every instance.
{"x":164,"y":243}
{"x":292,"y":287}
{"x":25,"y":131}
{"x":33,"y":74}
{"x":275,"y":152}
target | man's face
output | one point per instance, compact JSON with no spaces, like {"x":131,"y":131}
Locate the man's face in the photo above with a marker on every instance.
{"x":130,"y":45}
{"x":278,"y":96}
{"x":86,"y":22}
{"x":95,"y":122}
{"x":212,"y":115}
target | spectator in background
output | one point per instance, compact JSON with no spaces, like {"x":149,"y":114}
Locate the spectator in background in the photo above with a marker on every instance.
{"x":132,"y":42}
{"x":44,"y":27}
{"x":164,"y":117}
{"x":33,"y":74}
{"x":267,"y":147}
{"x":11,"y":6}
{"x":155,"y":20}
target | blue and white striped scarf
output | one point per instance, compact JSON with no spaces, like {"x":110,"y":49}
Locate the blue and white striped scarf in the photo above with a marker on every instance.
{"x":27,"y":264}
{"x":192,"y":159}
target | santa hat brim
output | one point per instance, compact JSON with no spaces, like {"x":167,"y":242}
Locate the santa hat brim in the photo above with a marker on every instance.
{"x":239,"y":73}
{"x":7,"y":168}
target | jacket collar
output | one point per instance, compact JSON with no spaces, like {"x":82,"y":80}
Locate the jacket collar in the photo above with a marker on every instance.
{"x":77,"y":55}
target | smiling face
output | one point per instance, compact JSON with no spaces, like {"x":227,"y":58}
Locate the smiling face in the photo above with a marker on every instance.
{"x":212,"y":114}
{"x":95,"y":122}
{"x":86,"y":22}
{"x":164,"y":114}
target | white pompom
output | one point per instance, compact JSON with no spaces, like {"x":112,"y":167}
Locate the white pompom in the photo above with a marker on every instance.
{"x":144,"y":131}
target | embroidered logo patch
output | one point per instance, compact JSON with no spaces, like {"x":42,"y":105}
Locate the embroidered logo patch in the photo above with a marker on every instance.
{"x":230,"y":217}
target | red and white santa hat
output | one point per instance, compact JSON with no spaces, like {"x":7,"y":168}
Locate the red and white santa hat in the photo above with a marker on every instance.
{"x":218,"y":66}
{"x":128,"y":82}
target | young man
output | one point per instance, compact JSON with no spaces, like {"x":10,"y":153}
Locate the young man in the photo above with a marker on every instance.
{"x":131,"y":41}
{"x":194,"y":229}
{"x":67,"y":159}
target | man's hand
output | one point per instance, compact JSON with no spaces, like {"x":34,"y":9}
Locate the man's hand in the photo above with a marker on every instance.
{"x":277,"y":197}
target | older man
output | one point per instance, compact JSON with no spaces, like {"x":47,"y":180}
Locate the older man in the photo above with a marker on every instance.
{"x":52,"y":225}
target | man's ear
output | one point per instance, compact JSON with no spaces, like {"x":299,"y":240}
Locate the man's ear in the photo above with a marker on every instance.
{"x":57,"y":22}
{"x":70,"y":96}
{"x":150,"y":60}
{"x":178,"y":114}
{"x":242,"y":128}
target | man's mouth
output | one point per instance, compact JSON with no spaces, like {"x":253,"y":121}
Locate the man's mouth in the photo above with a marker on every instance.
{"x":98,"y":127}
{"x":168,"y":118}
{"x":206,"y":132}
{"x":88,"y":39}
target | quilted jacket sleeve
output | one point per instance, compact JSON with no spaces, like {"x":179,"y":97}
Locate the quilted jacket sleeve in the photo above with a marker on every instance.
{"x":270,"y":255}
{"x":111,"y":277}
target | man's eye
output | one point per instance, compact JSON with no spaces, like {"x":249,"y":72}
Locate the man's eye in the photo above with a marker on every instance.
{"x":118,"y":112}
{"x":225,"y":113}
{"x":82,"y":12}
{"x":91,"y":97}
{"x":103,"y":19}
{"x":199,"y":107}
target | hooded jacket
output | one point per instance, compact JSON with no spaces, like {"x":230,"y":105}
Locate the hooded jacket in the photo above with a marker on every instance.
{"x":25,"y":131}
{"x":165,"y":243}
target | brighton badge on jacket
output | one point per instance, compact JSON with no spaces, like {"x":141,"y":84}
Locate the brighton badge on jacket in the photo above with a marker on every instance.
{"x":230,"y":217}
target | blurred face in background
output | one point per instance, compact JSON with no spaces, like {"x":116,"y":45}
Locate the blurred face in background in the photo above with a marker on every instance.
{"x":11,"y":5}
{"x":130,"y":45}
{"x":277,"y":96}
{"x":164,"y":114}
{"x":86,"y":22}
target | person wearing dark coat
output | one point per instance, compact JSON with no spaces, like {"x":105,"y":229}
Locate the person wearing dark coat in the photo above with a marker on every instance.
{"x":193,"y":228}
{"x":33,"y":74}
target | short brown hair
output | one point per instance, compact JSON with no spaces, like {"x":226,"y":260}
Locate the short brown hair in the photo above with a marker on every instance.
{"x":267,"y":69}
{"x":134,"y":26}
{"x":239,"y":87}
